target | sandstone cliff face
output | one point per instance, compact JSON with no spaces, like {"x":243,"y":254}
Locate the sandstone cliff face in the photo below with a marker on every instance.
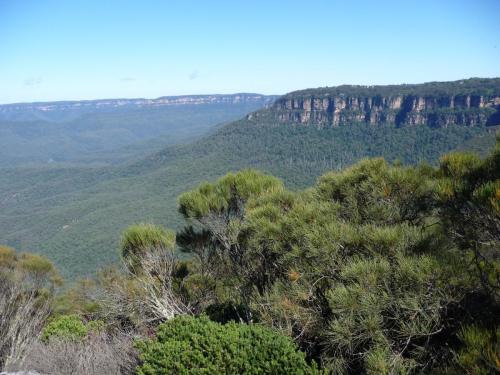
{"x":437,"y":111}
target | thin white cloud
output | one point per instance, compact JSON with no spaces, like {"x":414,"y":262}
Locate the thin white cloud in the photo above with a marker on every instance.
{"x":194,"y":74}
{"x":33,"y":81}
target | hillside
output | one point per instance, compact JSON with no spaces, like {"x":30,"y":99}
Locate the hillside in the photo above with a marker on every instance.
{"x":112,"y":131}
{"x":75,"y":215}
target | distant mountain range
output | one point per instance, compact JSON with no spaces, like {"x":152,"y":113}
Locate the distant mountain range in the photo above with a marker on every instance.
{"x":75,"y":214}
{"x":138,"y":102}
{"x":10,"y":111}
{"x":102,"y":132}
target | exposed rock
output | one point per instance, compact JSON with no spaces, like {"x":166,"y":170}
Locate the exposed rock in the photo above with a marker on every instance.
{"x":470,"y":102}
{"x":468,"y":110}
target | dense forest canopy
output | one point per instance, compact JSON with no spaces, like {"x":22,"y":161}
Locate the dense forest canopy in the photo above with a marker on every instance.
{"x":472,"y":86}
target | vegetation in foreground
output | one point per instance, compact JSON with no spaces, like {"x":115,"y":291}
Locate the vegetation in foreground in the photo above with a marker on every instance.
{"x":378,"y":269}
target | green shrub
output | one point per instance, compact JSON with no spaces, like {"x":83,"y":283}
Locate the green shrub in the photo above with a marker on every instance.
{"x":187,"y":345}
{"x":140,"y":238}
{"x":481,"y":352}
{"x":70,"y":327}
{"x":66,"y":327}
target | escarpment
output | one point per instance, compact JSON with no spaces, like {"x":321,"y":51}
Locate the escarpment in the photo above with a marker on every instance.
{"x":474,"y":102}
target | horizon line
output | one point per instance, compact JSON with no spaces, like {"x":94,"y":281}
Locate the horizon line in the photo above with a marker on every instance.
{"x":235,"y":93}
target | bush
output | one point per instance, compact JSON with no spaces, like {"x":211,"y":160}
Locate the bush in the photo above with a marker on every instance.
{"x":187,"y":345}
{"x":69,"y":327}
{"x":27,"y":287}
{"x":481,"y":352}
{"x":138,"y":239}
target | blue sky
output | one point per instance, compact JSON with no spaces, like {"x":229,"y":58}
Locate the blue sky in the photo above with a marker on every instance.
{"x":61,"y":50}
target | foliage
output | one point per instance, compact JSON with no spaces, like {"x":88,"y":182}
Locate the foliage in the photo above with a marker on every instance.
{"x":227,"y":196}
{"x":374,"y":269}
{"x":150,"y":290}
{"x":139,"y":239}
{"x":472,"y":86}
{"x":366,"y":268}
{"x":27,"y":287}
{"x":187,"y":345}
{"x":69,"y":327}
{"x":147,"y":251}
{"x":481,"y":354}
{"x":469,"y":193}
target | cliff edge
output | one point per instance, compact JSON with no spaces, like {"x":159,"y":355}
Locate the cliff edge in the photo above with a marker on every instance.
{"x":471,"y":102}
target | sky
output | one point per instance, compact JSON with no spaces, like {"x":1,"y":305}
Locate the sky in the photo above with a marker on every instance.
{"x":91,"y":49}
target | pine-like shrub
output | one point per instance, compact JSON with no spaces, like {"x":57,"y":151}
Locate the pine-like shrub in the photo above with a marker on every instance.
{"x":481,"y":351}
{"x":187,"y":345}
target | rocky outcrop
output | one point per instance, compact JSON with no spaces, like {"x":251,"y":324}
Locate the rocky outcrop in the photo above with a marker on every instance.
{"x":338,"y":110}
{"x":469,"y":102}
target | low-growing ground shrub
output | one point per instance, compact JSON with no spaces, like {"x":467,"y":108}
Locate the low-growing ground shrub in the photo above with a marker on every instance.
{"x":188,"y":345}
